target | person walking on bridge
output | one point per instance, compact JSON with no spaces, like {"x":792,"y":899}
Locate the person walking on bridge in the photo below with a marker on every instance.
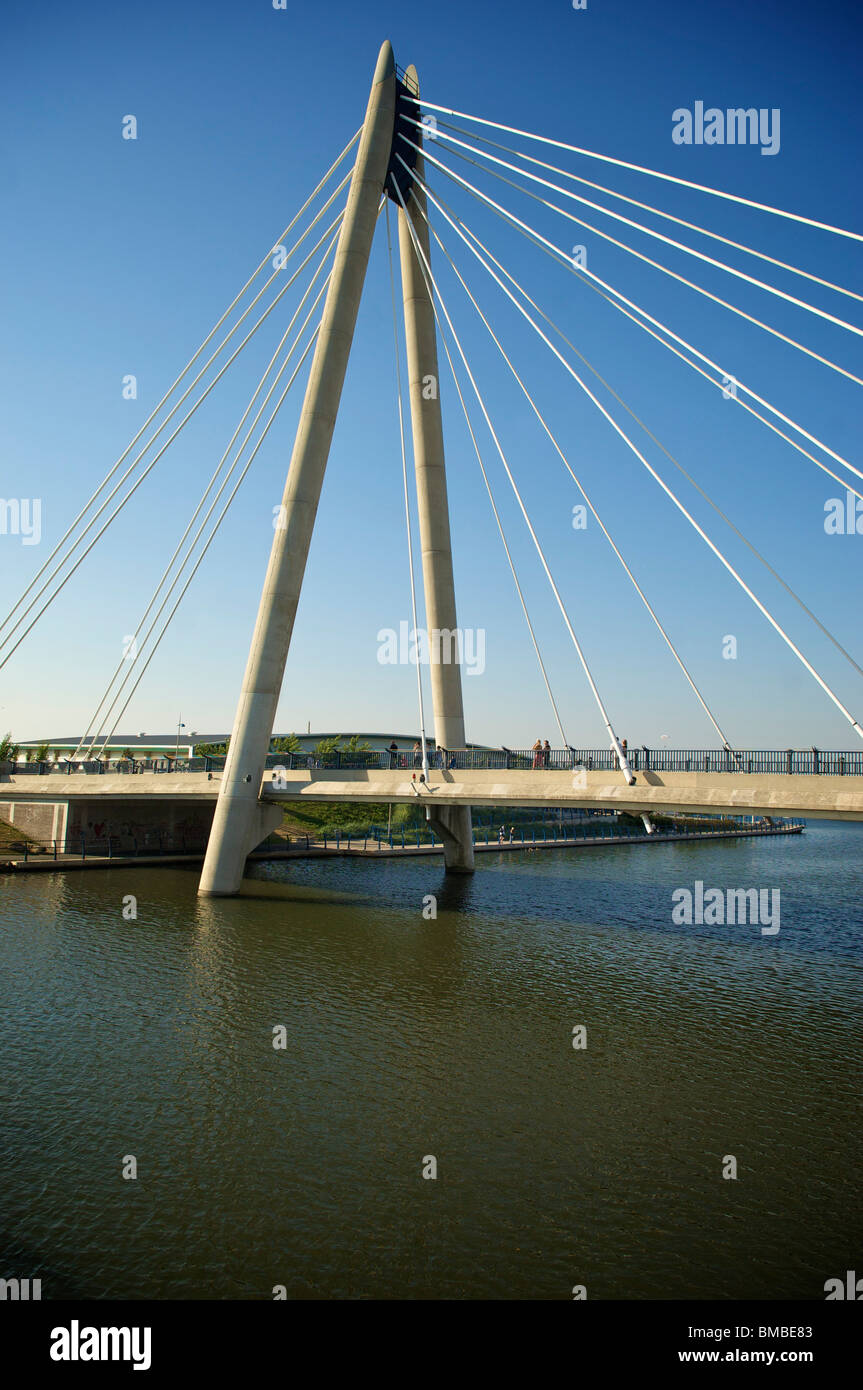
{"x":537,"y":753}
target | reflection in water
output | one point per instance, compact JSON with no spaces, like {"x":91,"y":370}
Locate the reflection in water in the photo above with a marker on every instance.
{"x":454,"y":892}
{"x":450,"y":1036}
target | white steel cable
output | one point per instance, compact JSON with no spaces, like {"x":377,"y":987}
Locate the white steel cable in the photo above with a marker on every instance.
{"x":648,"y":207}
{"x":795,"y":444}
{"x":641,"y":169}
{"x":658,"y":442}
{"x":154,"y":412}
{"x":562,"y":257}
{"x":615,"y":742}
{"x":225,"y":509}
{"x":71,"y":550}
{"x":149,"y":466}
{"x":168,"y":568}
{"x":425,"y":766}
{"x":581,"y":488}
{"x":666,"y":489}
{"x":191,"y":548}
{"x":211,"y":536}
{"x":657,"y":265}
{"x":640,"y":227}
{"x":488,"y":488}
{"x":186,"y":393}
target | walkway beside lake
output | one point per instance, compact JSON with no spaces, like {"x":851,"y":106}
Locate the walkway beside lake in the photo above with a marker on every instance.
{"x":366,"y":848}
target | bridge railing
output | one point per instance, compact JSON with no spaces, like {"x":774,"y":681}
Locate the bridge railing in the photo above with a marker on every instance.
{"x":146,"y":844}
{"x":793,"y":761}
{"x":124,"y":766}
{"x":599,"y":826}
{"x":813,"y":761}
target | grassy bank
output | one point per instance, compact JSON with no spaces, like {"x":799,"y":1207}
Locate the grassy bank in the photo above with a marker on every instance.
{"x":321,"y":818}
{"x":12,"y":837}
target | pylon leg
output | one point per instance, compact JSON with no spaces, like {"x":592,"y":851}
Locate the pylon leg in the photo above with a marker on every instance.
{"x":455,"y":825}
{"x":236,"y":821}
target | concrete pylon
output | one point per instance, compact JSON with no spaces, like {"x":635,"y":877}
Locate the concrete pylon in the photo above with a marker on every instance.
{"x":453,"y":823}
{"x":240,"y":821}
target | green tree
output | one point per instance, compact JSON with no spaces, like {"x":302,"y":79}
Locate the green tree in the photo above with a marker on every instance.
{"x":8,"y":750}
{"x":285,"y":744}
{"x":359,"y":751}
{"x":328,"y":745}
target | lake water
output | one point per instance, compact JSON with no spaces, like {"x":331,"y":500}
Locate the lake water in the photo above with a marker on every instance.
{"x":409,"y":1037}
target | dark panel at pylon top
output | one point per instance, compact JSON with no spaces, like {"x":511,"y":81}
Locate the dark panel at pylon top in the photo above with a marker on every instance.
{"x":407,"y":110}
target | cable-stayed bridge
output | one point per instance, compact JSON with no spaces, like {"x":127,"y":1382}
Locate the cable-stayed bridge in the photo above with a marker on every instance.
{"x":415,"y":155}
{"x":820,"y":784}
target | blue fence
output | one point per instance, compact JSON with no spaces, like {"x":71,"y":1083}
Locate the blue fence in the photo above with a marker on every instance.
{"x":154,"y":844}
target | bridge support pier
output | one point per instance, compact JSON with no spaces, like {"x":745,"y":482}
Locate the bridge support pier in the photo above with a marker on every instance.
{"x":452,"y":822}
{"x":237,"y":819}
{"x":453,"y":825}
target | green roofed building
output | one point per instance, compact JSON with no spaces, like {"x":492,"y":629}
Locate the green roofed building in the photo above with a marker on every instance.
{"x":144,"y":745}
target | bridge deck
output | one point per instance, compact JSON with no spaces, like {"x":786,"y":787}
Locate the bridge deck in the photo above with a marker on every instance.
{"x":758,"y":794}
{"x":814,"y":795}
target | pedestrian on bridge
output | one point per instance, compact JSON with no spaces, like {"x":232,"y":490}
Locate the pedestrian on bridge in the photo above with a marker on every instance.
{"x":537,"y":753}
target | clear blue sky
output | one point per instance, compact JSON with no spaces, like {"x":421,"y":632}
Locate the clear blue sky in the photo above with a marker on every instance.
{"x":119,"y":255}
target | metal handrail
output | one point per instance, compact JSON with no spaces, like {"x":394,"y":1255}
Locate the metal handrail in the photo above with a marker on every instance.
{"x":599,"y":826}
{"x":809,"y":761}
{"x":741,"y":761}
